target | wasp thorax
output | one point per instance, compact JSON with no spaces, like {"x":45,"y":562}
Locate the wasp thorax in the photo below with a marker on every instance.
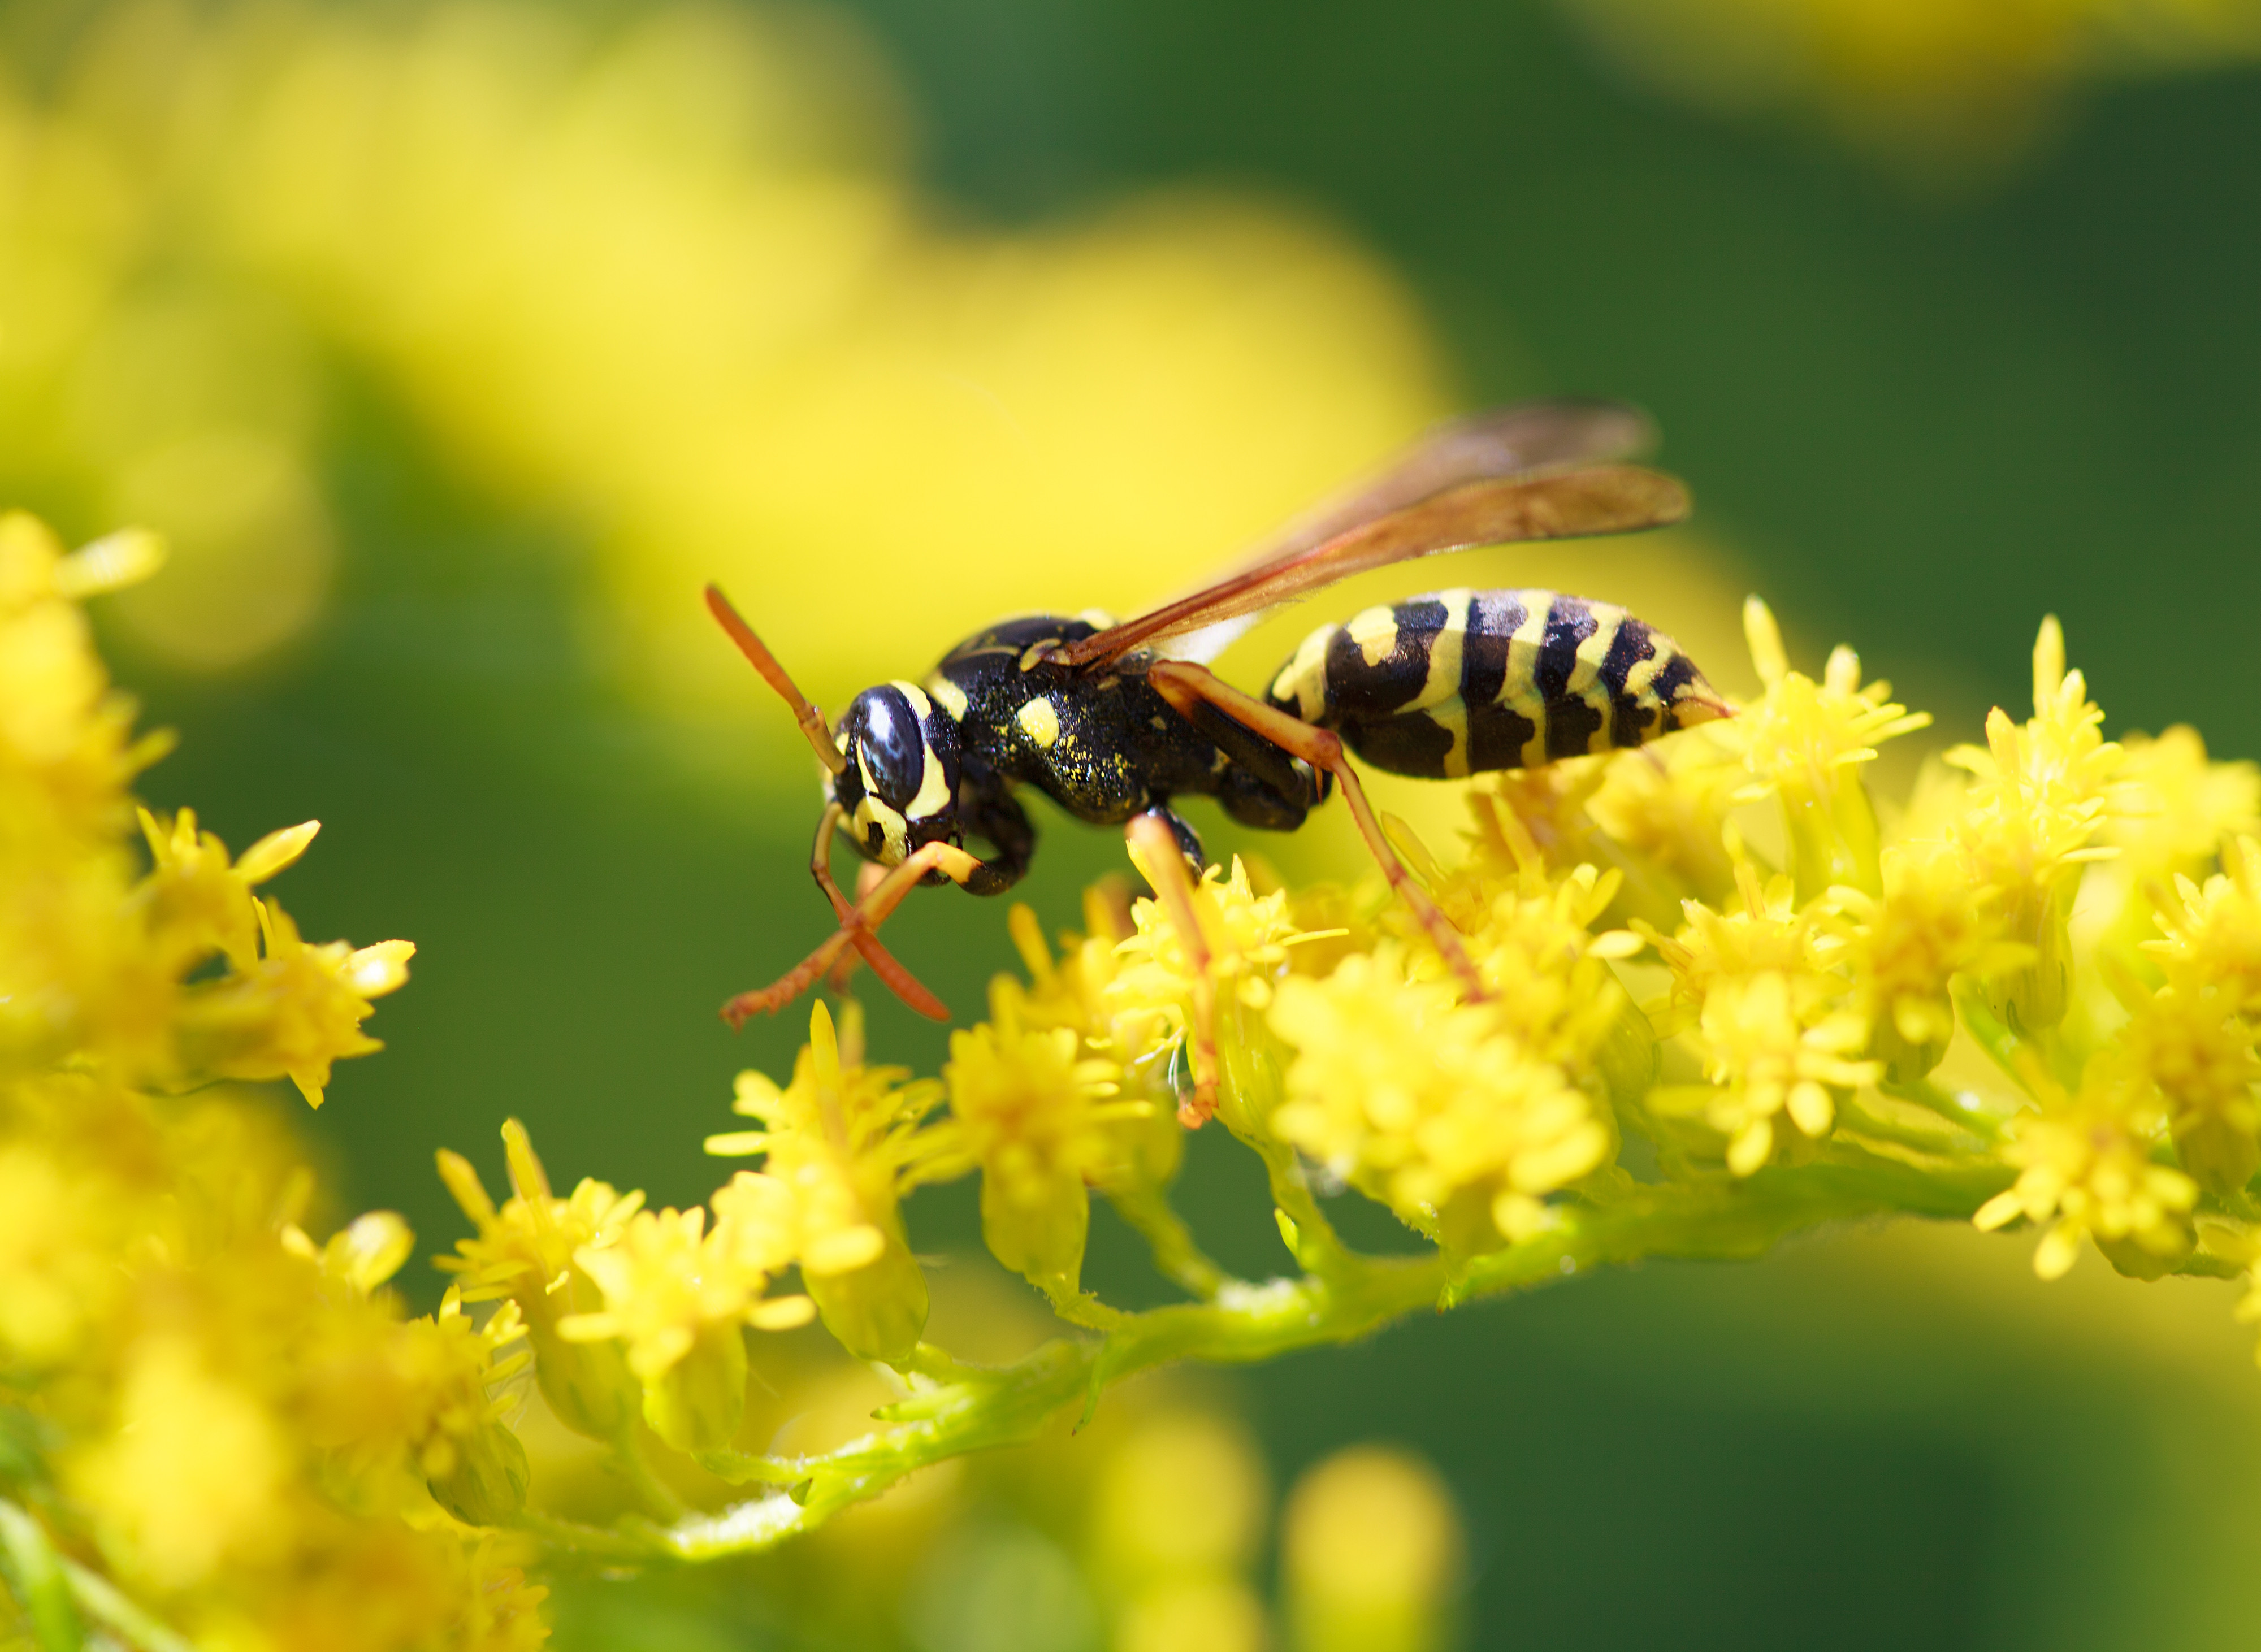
{"x":900,"y":789}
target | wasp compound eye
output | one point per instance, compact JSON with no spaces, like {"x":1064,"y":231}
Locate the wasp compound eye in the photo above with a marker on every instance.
{"x":884,"y":739}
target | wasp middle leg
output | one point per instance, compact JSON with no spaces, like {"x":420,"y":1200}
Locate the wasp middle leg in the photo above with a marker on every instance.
{"x":1193,"y":690}
{"x":1158,"y":848}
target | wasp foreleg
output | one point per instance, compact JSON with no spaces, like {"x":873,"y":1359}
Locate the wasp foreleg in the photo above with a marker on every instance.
{"x":867,"y":879}
{"x":856,"y":924}
{"x":1189,"y":687}
{"x":898,"y":980}
{"x":1156,"y":851}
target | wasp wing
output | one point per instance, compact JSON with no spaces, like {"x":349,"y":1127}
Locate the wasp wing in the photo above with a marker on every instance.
{"x":1516,"y":441}
{"x":1521,"y":473}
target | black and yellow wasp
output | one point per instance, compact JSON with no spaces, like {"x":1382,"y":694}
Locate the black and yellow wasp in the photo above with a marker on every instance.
{"x":1115,"y":720}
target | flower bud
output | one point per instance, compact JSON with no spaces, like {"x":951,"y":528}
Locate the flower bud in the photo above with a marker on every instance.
{"x":1832,"y":836}
{"x":877,"y":1311}
{"x":2033,"y":998}
{"x":698,"y":1402}
{"x":1905,"y":1060}
{"x":2155,"y":1254}
{"x":2218,"y":1154}
{"x":1152,"y":1143}
{"x":1626,"y":1056}
{"x":1037,"y":1226}
{"x":486,"y":1483}
{"x":588,"y":1385}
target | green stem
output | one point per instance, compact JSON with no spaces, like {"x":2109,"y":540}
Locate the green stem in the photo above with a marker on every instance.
{"x":56,"y":1592}
{"x":1318,"y":1249}
{"x":634,"y":1540}
{"x":655,"y":1496}
{"x":35,"y":1576}
{"x":939,"y":1365}
{"x":1925,"y":1093}
{"x":99,"y":1599}
{"x":1177,"y":1257}
{"x":1714,"y":1218}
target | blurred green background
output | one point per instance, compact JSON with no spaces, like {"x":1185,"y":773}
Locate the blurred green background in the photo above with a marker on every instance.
{"x":455,"y":345}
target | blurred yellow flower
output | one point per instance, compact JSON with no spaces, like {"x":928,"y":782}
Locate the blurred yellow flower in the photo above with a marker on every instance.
{"x":1371,"y":1549}
{"x":2174,"y":806}
{"x":670,"y":276}
{"x":1943,"y":88}
{"x":1177,"y":1516}
{"x":243,"y":1427}
{"x":193,"y":1473}
{"x":2193,"y":1046}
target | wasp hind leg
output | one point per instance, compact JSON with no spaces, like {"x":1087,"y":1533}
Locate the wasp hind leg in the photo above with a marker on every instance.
{"x":1159,"y":840}
{"x":1197,"y":694}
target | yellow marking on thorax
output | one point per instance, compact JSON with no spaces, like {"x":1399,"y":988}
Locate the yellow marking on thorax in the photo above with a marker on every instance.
{"x":1039,"y":720}
{"x":1097,"y":619}
{"x":921,"y":706}
{"x":1035,"y":652}
{"x":1376,"y":633}
{"x":948,"y":695}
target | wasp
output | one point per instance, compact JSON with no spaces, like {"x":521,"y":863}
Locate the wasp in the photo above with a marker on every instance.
{"x":1115,"y":720}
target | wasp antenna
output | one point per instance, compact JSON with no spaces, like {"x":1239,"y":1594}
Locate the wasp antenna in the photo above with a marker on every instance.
{"x":811,"y":719}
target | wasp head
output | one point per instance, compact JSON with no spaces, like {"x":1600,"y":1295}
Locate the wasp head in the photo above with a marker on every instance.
{"x":899,"y":790}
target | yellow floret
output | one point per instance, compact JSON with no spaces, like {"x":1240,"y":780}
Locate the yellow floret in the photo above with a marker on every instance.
{"x":841,"y":1147}
{"x":2083,"y":1171}
{"x":1804,"y":743}
{"x":1775,"y":1054}
{"x":1430,"y":1104}
{"x":1042,"y":1122}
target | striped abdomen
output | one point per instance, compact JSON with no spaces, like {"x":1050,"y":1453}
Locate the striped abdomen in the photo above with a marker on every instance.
{"x":1465,"y":681}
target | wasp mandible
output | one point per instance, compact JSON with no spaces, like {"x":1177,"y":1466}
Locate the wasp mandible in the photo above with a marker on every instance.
{"x":1115,"y":721}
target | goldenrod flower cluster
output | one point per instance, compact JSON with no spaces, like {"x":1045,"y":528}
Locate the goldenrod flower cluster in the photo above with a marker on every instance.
{"x":1722,"y":949}
{"x":1719,"y":990}
{"x":214,"y":1422}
